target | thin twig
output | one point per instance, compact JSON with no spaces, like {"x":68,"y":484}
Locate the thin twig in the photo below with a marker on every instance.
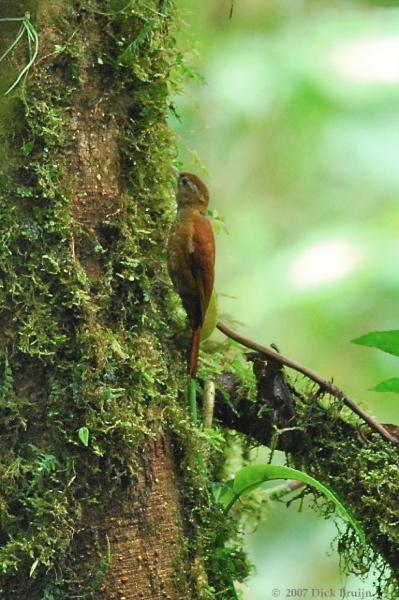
{"x":323,"y":383}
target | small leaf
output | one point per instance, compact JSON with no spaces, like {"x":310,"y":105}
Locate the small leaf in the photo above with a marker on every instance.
{"x":27,"y":148}
{"x":253,"y":476}
{"x":389,"y":385}
{"x":211,"y":317}
{"x":223,"y":492}
{"x":84,"y":436}
{"x":33,"y":567}
{"x":387,"y":341}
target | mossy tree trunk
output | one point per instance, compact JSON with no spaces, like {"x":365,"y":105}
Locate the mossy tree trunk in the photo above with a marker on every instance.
{"x":93,"y":500}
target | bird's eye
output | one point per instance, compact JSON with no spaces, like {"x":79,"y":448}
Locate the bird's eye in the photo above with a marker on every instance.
{"x":184,"y":181}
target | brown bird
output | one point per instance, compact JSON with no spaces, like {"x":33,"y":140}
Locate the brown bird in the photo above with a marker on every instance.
{"x":191,"y":255}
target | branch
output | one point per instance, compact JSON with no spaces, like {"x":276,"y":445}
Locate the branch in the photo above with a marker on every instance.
{"x":323,"y":383}
{"x":362,"y":470}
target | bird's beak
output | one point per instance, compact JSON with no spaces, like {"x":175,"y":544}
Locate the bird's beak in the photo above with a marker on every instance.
{"x":176,"y":172}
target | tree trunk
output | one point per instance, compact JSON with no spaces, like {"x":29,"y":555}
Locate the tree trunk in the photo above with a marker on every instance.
{"x":94,"y":501}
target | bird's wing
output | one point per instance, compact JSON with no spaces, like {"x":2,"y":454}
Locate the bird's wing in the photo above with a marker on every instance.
{"x":201,"y":258}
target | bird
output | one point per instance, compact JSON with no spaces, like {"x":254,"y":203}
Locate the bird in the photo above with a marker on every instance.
{"x":191,"y":255}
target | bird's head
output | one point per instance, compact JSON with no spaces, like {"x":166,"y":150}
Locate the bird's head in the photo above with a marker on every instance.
{"x":191,"y":192}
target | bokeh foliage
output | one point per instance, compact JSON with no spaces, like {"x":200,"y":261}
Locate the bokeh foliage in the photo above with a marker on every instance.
{"x":293,"y":112}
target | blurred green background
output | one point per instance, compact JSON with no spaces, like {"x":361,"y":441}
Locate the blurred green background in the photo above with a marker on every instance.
{"x":292,"y":110}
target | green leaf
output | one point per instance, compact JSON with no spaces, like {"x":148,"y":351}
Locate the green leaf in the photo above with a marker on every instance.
{"x":253,"y":476}
{"x":223,"y":492}
{"x":389,"y":385}
{"x":27,"y":148}
{"x":211,"y":317}
{"x":387,"y":341}
{"x":33,"y":567}
{"x":84,"y":436}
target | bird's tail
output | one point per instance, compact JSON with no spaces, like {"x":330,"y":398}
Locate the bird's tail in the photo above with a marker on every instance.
{"x":194,"y":352}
